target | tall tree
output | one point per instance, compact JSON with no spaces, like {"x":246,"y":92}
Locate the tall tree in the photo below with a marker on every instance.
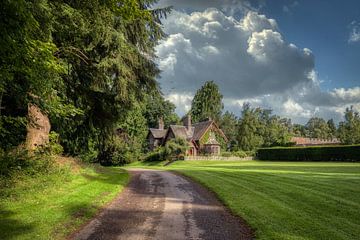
{"x":108,"y":52}
{"x":207,"y":103}
{"x":332,"y":128}
{"x":349,"y":130}
{"x":156,"y":107}
{"x":250,"y":129}
{"x":229,"y":125}
{"x":318,"y":128}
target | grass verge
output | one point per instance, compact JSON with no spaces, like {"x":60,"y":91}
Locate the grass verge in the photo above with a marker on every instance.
{"x":284,"y":200}
{"x":53,"y":205}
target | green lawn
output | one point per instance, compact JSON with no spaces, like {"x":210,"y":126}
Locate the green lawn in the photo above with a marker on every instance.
{"x":285,"y":200}
{"x":52,"y":206}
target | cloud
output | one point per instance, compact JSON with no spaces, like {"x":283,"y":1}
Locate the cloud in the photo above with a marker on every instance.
{"x":355,"y":32}
{"x":245,"y":58}
{"x":250,"y":60}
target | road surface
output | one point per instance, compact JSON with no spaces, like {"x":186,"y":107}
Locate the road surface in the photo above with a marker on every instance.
{"x":163,"y":205}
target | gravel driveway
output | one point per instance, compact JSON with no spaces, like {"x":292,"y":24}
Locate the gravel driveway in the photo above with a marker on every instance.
{"x":163,"y":205}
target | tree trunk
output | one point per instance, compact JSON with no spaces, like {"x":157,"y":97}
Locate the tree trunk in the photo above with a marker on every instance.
{"x":38,"y":128}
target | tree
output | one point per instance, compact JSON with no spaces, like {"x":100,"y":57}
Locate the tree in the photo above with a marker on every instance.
{"x":108,"y":53}
{"x":349,"y":130}
{"x":229,"y":124}
{"x":332,"y":128}
{"x":207,"y":103}
{"x":249,"y":131}
{"x":156,"y":107}
{"x":318,"y":128}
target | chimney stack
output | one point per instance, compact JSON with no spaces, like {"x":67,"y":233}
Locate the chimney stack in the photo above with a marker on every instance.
{"x":187,"y":121}
{"x":161,"y":123}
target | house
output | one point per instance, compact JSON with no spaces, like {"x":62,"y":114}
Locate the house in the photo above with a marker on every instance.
{"x":302,"y":141}
{"x":204,"y":137}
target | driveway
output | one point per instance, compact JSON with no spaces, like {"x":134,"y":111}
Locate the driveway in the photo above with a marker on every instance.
{"x":163,"y":205}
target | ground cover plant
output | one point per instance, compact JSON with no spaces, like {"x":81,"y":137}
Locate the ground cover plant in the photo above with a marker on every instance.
{"x":284,"y":200}
{"x":52,"y":205}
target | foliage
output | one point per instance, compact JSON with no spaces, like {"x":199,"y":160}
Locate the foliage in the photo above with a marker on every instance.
{"x":258,"y":127}
{"x":155,"y":107}
{"x":349,"y":130}
{"x":12,"y":131}
{"x":207,"y":103}
{"x":54,"y":144}
{"x":20,"y":161}
{"x":318,"y":128}
{"x":157,"y":155}
{"x":176,"y":148}
{"x":250,"y":127}
{"x":229,"y":125}
{"x":316,"y":153}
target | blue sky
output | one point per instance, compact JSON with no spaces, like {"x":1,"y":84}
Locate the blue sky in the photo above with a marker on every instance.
{"x":297,"y":57}
{"x":324,"y":27}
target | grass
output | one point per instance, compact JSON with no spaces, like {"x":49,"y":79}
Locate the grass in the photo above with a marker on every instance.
{"x":284,"y":200}
{"x":54,"y":205}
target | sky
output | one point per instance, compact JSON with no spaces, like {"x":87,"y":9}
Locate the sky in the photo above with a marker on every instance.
{"x":299,"y":58}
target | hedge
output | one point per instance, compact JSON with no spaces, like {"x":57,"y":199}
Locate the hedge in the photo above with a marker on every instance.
{"x":349,"y":153}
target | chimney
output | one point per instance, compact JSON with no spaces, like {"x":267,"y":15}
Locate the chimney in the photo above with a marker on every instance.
{"x":187,"y":121}
{"x":161,"y":123}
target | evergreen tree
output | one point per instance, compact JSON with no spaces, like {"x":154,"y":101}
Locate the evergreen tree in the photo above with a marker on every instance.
{"x":207,"y":103}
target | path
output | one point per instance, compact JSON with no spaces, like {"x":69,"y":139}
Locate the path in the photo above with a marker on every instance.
{"x":162,"y":205}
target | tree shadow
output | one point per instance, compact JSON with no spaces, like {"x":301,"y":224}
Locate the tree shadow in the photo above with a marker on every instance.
{"x":10,"y":227}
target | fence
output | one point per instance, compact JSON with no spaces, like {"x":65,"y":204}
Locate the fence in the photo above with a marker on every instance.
{"x":220,"y":158}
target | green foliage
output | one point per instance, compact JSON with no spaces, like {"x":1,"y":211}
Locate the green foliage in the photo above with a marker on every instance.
{"x":349,"y":130}
{"x":318,"y":128}
{"x":12,"y":131}
{"x":317,"y":153}
{"x":207,"y":103}
{"x":258,"y":127}
{"x":19,"y":161}
{"x":157,"y":155}
{"x":176,"y":148}
{"x":155,"y":107}
{"x":229,"y":125}
{"x":54,"y":144}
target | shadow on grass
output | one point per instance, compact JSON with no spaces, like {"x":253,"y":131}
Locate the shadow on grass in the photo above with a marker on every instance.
{"x":10,"y":227}
{"x":106,"y":175}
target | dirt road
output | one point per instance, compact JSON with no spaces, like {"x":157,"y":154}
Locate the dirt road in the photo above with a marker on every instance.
{"x":163,"y":205}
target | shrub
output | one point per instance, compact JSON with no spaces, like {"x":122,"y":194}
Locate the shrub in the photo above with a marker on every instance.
{"x":314,"y":153}
{"x":240,"y":154}
{"x":176,"y":149}
{"x":227,"y":154}
{"x":18,"y":160}
{"x":157,"y":155}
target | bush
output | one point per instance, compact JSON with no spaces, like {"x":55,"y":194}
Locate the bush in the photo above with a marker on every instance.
{"x":316,"y":153}
{"x":240,"y":154}
{"x":156,"y":155}
{"x":176,"y":149}
{"x":18,"y":160}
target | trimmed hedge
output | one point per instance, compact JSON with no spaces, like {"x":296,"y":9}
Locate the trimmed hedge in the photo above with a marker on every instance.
{"x":350,"y":153}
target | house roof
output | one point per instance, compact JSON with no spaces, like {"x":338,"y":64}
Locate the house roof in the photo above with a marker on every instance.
{"x":157,"y":133}
{"x":181,"y":131}
{"x":200,"y":129}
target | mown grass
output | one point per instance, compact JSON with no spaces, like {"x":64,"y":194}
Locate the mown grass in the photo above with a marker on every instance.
{"x":54,"y":205}
{"x":284,"y":200}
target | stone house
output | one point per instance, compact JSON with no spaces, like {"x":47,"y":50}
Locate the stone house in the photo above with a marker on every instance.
{"x":204,"y":137}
